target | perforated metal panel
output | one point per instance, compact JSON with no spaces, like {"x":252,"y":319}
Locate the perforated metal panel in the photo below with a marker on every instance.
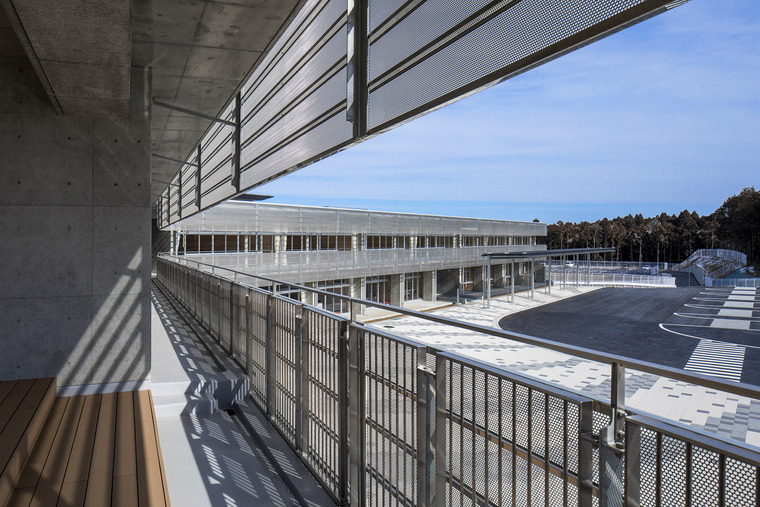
{"x":321,"y":338}
{"x":508,"y":442}
{"x":391,"y":418}
{"x":499,"y":438}
{"x":418,"y":55}
{"x":677,"y":470}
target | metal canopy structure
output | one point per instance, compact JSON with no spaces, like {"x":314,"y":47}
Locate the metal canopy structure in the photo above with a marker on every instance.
{"x":532,"y":256}
{"x":564,"y":252}
{"x":344,"y":71}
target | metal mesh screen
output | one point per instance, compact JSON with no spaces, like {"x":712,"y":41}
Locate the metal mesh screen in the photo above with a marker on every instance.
{"x":675,"y":471}
{"x":225,"y":316}
{"x":419,"y":55}
{"x":284,"y":354}
{"x":444,"y":46}
{"x":390,"y":414}
{"x":321,"y":337}
{"x":258,"y":335}
{"x":509,"y":443}
{"x":239,"y":327}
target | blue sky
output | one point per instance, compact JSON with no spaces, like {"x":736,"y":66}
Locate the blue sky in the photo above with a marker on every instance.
{"x":664,"y":116}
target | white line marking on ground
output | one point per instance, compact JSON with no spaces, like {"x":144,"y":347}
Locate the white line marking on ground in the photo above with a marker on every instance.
{"x":717,"y":359}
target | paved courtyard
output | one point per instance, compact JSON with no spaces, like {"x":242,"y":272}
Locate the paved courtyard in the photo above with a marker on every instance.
{"x":698,"y":407}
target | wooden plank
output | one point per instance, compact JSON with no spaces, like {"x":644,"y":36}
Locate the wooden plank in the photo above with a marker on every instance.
{"x":51,"y":479}
{"x":21,"y":497}
{"x":73,"y":493}
{"x":125,"y":462}
{"x":150,"y":481}
{"x":101,"y":464}
{"x":6,"y":386}
{"x":164,"y":484}
{"x":31,"y":474}
{"x":78,"y":468}
{"x":21,"y":433}
{"x":12,"y":401}
{"x":125,"y":491}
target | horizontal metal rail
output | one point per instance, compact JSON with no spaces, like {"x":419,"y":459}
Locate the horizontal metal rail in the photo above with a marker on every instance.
{"x":386,"y":420}
{"x":739,"y":388}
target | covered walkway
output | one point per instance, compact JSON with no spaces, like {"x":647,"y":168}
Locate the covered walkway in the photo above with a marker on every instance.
{"x":218,"y":449}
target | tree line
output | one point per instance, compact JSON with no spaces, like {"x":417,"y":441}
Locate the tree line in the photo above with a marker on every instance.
{"x":669,"y":238}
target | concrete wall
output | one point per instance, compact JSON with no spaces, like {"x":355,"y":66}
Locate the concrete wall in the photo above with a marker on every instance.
{"x":448,"y":281}
{"x":75,"y":224}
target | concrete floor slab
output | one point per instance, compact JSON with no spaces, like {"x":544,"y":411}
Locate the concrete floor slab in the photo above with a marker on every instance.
{"x":210,"y":458}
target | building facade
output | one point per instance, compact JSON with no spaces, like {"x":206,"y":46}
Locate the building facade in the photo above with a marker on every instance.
{"x":380,"y":256}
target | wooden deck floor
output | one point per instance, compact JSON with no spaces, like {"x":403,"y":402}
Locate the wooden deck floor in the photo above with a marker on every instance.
{"x":96,"y":450}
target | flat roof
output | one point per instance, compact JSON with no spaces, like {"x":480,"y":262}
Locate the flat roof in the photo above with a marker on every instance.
{"x":559,"y":252}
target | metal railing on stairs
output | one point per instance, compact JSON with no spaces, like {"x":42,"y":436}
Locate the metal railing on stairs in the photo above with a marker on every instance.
{"x":385,"y":420}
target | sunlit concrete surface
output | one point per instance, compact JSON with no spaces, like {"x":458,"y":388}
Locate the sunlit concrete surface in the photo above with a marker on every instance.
{"x":729,"y":415}
{"x":211,"y":459}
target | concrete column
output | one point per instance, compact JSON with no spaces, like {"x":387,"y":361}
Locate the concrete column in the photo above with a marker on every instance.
{"x":358,"y":290}
{"x":479,"y":279}
{"x":430,"y":285}
{"x":75,"y":216}
{"x":308,"y":297}
{"x":497,"y":273}
{"x":397,"y":289}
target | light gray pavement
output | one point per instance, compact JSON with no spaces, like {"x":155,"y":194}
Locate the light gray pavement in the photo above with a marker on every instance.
{"x":210,"y":457}
{"x":698,"y":407}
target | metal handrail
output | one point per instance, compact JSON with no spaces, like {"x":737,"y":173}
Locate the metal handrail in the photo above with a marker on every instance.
{"x":739,"y":388}
{"x":372,"y":378}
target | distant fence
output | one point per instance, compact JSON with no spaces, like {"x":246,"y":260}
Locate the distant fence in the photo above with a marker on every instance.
{"x":735,"y":282}
{"x":611,"y":279}
{"x":719,"y":253}
{"x":610,"y":273}
{"x":619,"y":267}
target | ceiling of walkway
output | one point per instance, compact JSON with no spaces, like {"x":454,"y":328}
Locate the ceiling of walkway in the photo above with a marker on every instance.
{"x":199,"y":52}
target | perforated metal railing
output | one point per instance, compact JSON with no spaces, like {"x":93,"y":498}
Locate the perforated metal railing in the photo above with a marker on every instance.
{"x":385,"y":420}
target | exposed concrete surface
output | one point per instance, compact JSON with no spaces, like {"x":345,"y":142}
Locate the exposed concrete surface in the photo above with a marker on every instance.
{"x":200,"y":52}
{"x":75,"y":223}
{"x":80,"y":54}
{"x":81,"y":51}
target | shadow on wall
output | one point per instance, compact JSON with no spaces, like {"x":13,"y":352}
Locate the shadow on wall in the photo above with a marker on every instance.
{"x":75,"y":229}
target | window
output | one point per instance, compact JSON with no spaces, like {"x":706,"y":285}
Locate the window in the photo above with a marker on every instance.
{"x":468,"y":277}
{"x":412,"y":286}
{"x":204,"y":243}
{"x":191,"y":243}
{"x":375,"y":242}
{"x":266,"y":243}
{"x":379,"y":289}
{"x":330,"y":303}
{"x":332,"y":242}
{"x":473,"y":240}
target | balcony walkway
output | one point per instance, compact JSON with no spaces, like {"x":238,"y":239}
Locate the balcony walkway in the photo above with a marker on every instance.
{"x":205,"y":422}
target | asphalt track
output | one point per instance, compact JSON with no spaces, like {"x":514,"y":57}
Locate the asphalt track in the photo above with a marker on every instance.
{"x":662,"y":326}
